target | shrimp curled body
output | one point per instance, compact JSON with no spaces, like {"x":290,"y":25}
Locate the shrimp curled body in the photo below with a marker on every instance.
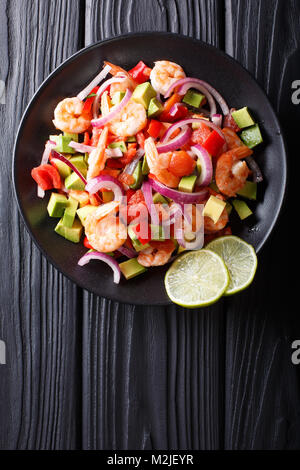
{"x":98,"y":157}
{"x":69,"y":116}
{"x":231,"y":173}
{"x":129,"y":121}
{"x":164,"y":74}
{"x":158,"y":254}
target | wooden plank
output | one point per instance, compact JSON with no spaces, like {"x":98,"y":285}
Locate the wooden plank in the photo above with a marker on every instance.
{"x":152,"y":377}
{"x":262,"y":387}
{"x":39,"y":389}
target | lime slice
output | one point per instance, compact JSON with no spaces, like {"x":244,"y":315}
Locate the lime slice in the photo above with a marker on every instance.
{"x":196,"y":279}
{"x":240,"y":259}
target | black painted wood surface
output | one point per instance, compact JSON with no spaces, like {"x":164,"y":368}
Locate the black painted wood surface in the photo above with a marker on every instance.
{"x":84,"y":372}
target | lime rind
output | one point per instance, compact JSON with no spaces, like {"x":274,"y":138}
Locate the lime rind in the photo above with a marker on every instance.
{"x":240,"y":259}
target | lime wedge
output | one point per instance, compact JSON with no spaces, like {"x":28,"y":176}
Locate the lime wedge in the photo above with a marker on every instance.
{"x":240,"y":259}
{"x":196,"y":279}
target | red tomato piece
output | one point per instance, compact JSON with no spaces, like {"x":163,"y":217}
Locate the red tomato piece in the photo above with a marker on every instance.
{"x":140,"y":73}
{"x":181,"y":164}
{"x":154,"y":128}
{"x":47,"y":177}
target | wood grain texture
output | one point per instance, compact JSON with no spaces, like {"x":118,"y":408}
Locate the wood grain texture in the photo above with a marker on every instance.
{"x":262,"y":386}
{"x":152,"y":376}
{"x":39,"y":319}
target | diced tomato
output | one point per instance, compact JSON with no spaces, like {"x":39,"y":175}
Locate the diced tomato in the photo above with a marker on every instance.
{"x":154,"y":128}
{"x":129,"y":194}
{"x":181,"y":164}
{"x":230,"y":122}
{"x":47,"y":177}
{"x":137,"y":230}
{"x":87,"y":244}
{"x":86,"y":140}
{"x":110,"y":172}
{"x":136,"y":198}
{"x":129,"y":155}
{"x":201,"y":134}
{"x":140,"y":73}
{"x":114,"y":163}
{"x":140,"y":137}
{"x":213,"y":143}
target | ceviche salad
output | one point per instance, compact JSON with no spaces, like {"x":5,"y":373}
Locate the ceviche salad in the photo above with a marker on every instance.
{"x":149,"y":166}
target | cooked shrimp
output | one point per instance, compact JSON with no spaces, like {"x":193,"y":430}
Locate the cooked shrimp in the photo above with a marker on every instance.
{"x":231,"y":173}
{"x":69,"y":116}
{"x":164,"y":74}
{"x":158,"y":254}
{"x":211,"y":227}
{"x":117,"y":71}
{"x":234,"y":142}
{"x":104,"y":230}
{"x":123,"y":85}
{"x":159,"y":163}
{"x":129,"y":121}
{"x":98,"y":157}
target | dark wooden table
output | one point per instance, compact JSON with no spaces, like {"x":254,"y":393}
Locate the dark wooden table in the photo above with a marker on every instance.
{"x":84,"y":372}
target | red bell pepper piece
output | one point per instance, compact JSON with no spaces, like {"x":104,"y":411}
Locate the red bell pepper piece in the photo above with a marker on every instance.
{"x":86,"y":244}
{"x":114,"y":163}
{"x":213,"y":143}
{"x":143,"y":241}
{"x":140,"y":73}
{"x":180,"y":113}
{"x":154,"y":128}
{"x":129,"y":194}
{"x":86,"y":140}
{"x":89,"y":102}
{"x":140,"y":137}
{"x":47,"y":177}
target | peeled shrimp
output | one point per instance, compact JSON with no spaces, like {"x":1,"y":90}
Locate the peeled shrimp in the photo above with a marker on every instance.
{"x":104,"y":230}
{"x":231,"y":173}
{"x":117,"y":71}
{"x":211,"y":227}
{"x":164,"y":74}
{"x":129,"y":121}
{"x":157,"y":254}
{"x":98,"y":157}
{"x":233,"y":141}
{"x":159,"y":163}
{"x":69,"y":116}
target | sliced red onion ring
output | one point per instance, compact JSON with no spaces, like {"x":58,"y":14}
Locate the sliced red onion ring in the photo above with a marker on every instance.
{"x":115,"y":111}
{"x":114,"y":153}
{"x":178,"y":196}
{"x":87,"y":90}
{"x":181,"y":139}
{"x":100,"y":92}
{"x":61,"y":157}
{"x":128,"y":252}
{"x":217,"y":119}
{"x":82,"y":148}
{"x":147,"y":191}
{"x":129,"y":169}
{"x":206,"y":165}
{"x":45,"y":157}
{"x":106,"y":259}
{"x":107,"y":182}
{"x":257,"y":174}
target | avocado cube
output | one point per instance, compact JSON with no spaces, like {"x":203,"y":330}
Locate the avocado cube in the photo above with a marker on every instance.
{"x":72,"y":137}
{"x":70,"y":212}
{"x":63,"y":169}
{"x":214,"y":208}
{"x":145,"y":167}
{"x":198,"y":166}
{"x":62,"y":144}
{"x":79,"y":162}
{"x":187,"y":183}
{"x":252,"y":136}
{"x":137,"y":245}
{"x":74,"y":182}
{"x":228,"y":208}
{"x":157,"y":232}
{"x":243,"y":118}
{"x":143,"y":94}
{"x":117,"y":97}
{"x":196,"y":125}
{"x":56,"y":205}
{"x":83,"y":212}
{"x":193,"y":98}
{"x":154,"y":108}
{"x":158,"y":198}
{"x":121,"y":144}
{"x":138,"y":176}
{"x":73,"y":234}
{"x":131,"y":139}
{"x":180,"y":249}
{"x":131,"y":268}
{"x":242,"y":209}
{"x":249,"y":190}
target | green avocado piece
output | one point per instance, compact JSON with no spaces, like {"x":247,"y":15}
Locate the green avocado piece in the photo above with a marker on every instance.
{"x":79,"y":162}
{"x":137,"y":245}
{"x":252,"y":136}
{"x":63,"y":169}
{"x":121,"y":144}
{"x":83,"y":212}
{"x":74,"y":182}
{"x":198,"y":166}
{"x":143,"y":94}
{"x":73,"y":234}
{"x":62,"y":144}
{"x":56,"y":205}
{"x":228,"y":207}
{"x":159,"y":198}
{"x":187,"y":183}
{"x":249,"y":190}
{"x":242,"y":209}
{"x":117,"y":97}
{"x":157,"y":232}
{"x":138,"y":176}
{"x":154,"y":108}
{"x":145,"y":167}
{"x":131,"y":268}
{"x":70,"y":212}
{"x":193,"y":98}
{"x":131,"y":139}
{"x":72,"y":137}
{"x":243,"y":117}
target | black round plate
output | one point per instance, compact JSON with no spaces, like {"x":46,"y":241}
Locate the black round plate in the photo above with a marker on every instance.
{"x":198,"y":60}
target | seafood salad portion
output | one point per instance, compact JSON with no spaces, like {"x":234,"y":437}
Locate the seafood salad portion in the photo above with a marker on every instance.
{"x":147,"y":163}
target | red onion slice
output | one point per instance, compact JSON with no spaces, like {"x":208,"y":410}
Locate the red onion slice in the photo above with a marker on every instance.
{"x":107,"y":182}
{"x":257,"y":174}
{"x":87,"y":90}
{"x":61,"y":157}
{"x":206,"y":165}
{"x":128,"y":252}
{"x":178,"y":196}
{"x":181,"y":139}
{"x":45,"y":157}
{"x":100,"y":92}
{"x":106,"y":259}
{"x":114,"y":153}
{"x":82,"y":148}
{"x":115,"y":111}
{"x":217,"y":119}
{"x":147,"y":191}
{"x":174,"y":109}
